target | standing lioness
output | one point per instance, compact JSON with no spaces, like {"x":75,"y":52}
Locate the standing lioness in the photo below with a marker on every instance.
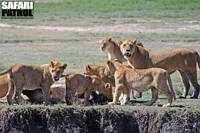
{"x":183,"y":60}
{"x":140,"y":80}
{"x":31,"y":77}
{"x":112,"y":48}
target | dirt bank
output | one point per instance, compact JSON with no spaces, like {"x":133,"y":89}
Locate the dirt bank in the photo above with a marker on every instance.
{"x":99,"y":119}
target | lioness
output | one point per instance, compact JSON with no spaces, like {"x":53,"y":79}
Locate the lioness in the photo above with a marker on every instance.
{"x":113,"y":48}
{"x":6,"y":89}
{"x":140,"y":80}
{"x":182,"y":59}
{"x":77,"y":84}
{"x":99,"y":70}
{"x":32,"y":77}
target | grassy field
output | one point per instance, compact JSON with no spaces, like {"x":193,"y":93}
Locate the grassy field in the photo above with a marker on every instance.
{"x":121,"y":9}
{"x":69,"y":30}
{"x":77,"y":12}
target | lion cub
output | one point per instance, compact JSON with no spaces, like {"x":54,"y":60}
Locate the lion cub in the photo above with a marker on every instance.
{"x":77,"y":84}
{"x":98,"y":70}
{"x":140,"y":80}
{"x":31,"y":77}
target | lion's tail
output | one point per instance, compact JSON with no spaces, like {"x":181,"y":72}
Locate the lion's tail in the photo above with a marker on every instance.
{"x":198,"y":59}
{"x":171,"y":86}
{"x":6,"y":71}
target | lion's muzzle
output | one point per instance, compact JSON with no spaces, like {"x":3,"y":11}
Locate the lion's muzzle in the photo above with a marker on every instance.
{"x":127,"y":54}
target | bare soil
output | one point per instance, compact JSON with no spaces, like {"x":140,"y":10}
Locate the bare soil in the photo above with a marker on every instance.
{"x":129,"y":27}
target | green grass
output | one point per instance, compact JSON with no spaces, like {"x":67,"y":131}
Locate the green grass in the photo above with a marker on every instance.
{"x":115,"y":5}
{"x":103,"y":11}
{"x":84,"y":6}
{"x":124,"y":8}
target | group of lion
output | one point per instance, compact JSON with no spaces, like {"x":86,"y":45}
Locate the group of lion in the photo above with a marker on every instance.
{"x":130,"y":68}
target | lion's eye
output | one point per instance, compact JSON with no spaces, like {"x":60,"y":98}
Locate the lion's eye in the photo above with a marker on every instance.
{"x":52,"y":71}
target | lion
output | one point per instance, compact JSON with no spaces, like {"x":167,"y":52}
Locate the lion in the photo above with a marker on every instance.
{"x":34,"y":96}
{"x":140,"y":80}
{"x":77,"y":84}
{"x":5,"y":89}
{"x":99,"y":70}
{"x":183,"y":60}
{"x":31,"y":77}
{"x":113,"y":49}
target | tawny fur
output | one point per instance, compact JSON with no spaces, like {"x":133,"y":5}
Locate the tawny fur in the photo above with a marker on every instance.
{"x":98,"y":70}
{"x":113,"y":50}
{"x":140,"y":80}
{"x":5,"y":89}
{"x":183,"y":60}
{"x":32,"y":77}
{"x":77,"y":84}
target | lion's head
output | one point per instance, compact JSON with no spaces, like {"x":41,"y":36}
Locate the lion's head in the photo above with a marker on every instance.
{"x":56,"y":69}
{"x":101,"y":86}
{"x":94,"y":69}
{"x":107,"y":44}
{"x":111,"y":67}
{"x":128,"y":48}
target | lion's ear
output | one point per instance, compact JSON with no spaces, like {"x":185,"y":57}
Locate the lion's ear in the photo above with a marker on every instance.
{"x":108,"y":62}
{"x":64,"y":66}
{"x":119,"y":42}
{"x":107,"y":85}
{"x":140,"y":44}
{"x":88,"y":67}
{"x":109,"y":39}
{"x":51,"y":64}
{"x":134,"y":42}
